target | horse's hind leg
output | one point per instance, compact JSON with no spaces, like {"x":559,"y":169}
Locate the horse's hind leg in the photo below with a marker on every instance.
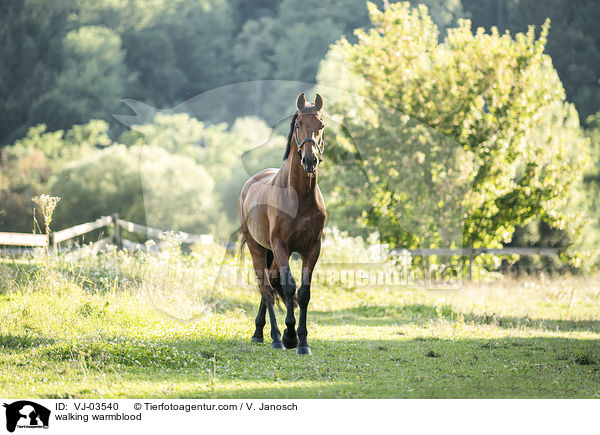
{"x":260,"y":320}
{"x":259,"y":261}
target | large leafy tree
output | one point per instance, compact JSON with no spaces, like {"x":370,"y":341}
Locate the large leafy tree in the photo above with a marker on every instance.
{"x":573,"y":43}
{"x":183,"y":50}
{"x":471,"y":134}
{"x":92,"y":79}
{"x":31,"y":34}
{"x":592,"y":184}
{"x":289,"y":44}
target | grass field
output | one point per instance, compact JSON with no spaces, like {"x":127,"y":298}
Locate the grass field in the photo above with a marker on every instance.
{"x":90,"y":328}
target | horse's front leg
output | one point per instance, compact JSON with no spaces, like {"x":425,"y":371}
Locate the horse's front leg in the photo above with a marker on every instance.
{"x":288,"y":284}
{"x":308,"y":264}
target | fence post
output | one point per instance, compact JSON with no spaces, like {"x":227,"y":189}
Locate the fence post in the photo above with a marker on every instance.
{"x":470,"y":276}
{"x":51,"y":242}
{"x":116,"y":239}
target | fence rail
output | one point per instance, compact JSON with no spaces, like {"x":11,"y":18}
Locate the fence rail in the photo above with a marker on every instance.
{"x":476,"y":251}
{"x":24,"y":241}
{"x":79,"y":230}
{"x":159,"y":234}
{"x":471,"y":253}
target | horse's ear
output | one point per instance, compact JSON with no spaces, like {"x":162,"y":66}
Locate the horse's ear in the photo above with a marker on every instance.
{"x":300,"y":101}
{"x":318,"y":102}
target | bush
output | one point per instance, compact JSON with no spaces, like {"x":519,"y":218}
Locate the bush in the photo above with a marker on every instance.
{"x":144,"y":185}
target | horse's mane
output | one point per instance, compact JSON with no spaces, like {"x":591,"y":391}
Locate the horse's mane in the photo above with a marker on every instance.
{"x":289,"y":138}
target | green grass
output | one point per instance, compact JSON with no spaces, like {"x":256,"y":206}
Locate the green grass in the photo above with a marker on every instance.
{"x":71,"y":332}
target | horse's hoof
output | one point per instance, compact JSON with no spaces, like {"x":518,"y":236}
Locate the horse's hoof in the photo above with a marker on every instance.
{"x":303,"y":350}
{"x":277,"y":345}
{"x":289,"y":343}
{"x":257,"y":340}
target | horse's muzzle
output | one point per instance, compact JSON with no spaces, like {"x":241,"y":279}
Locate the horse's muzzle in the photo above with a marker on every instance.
{"x":310,"y":164}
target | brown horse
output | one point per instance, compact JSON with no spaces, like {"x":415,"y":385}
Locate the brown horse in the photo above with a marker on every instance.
{"x":281,"y":212}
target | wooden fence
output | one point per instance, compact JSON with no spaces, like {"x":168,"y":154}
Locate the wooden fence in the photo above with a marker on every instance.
{"x":52,"y":241}
{"x":22,"y":242}
{"x":471,"y":253}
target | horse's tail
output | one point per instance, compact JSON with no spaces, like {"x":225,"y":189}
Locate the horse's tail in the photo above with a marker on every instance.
{"x":243,"y":242}
{"x":279,"y":295}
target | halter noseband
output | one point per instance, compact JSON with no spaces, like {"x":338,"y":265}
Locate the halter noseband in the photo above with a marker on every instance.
{"x":320,"y":146}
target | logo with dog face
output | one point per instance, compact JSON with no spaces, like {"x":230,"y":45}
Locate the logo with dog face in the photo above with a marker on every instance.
{"x":26,"y":414}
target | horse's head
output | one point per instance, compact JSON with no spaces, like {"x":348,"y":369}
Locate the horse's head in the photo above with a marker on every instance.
{"x":308,"y":132}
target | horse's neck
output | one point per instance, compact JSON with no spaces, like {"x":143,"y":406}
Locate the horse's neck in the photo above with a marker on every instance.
{"x":297,"y":177}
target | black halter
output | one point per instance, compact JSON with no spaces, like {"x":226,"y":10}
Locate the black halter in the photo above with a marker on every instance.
{"x":320,"y":146}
